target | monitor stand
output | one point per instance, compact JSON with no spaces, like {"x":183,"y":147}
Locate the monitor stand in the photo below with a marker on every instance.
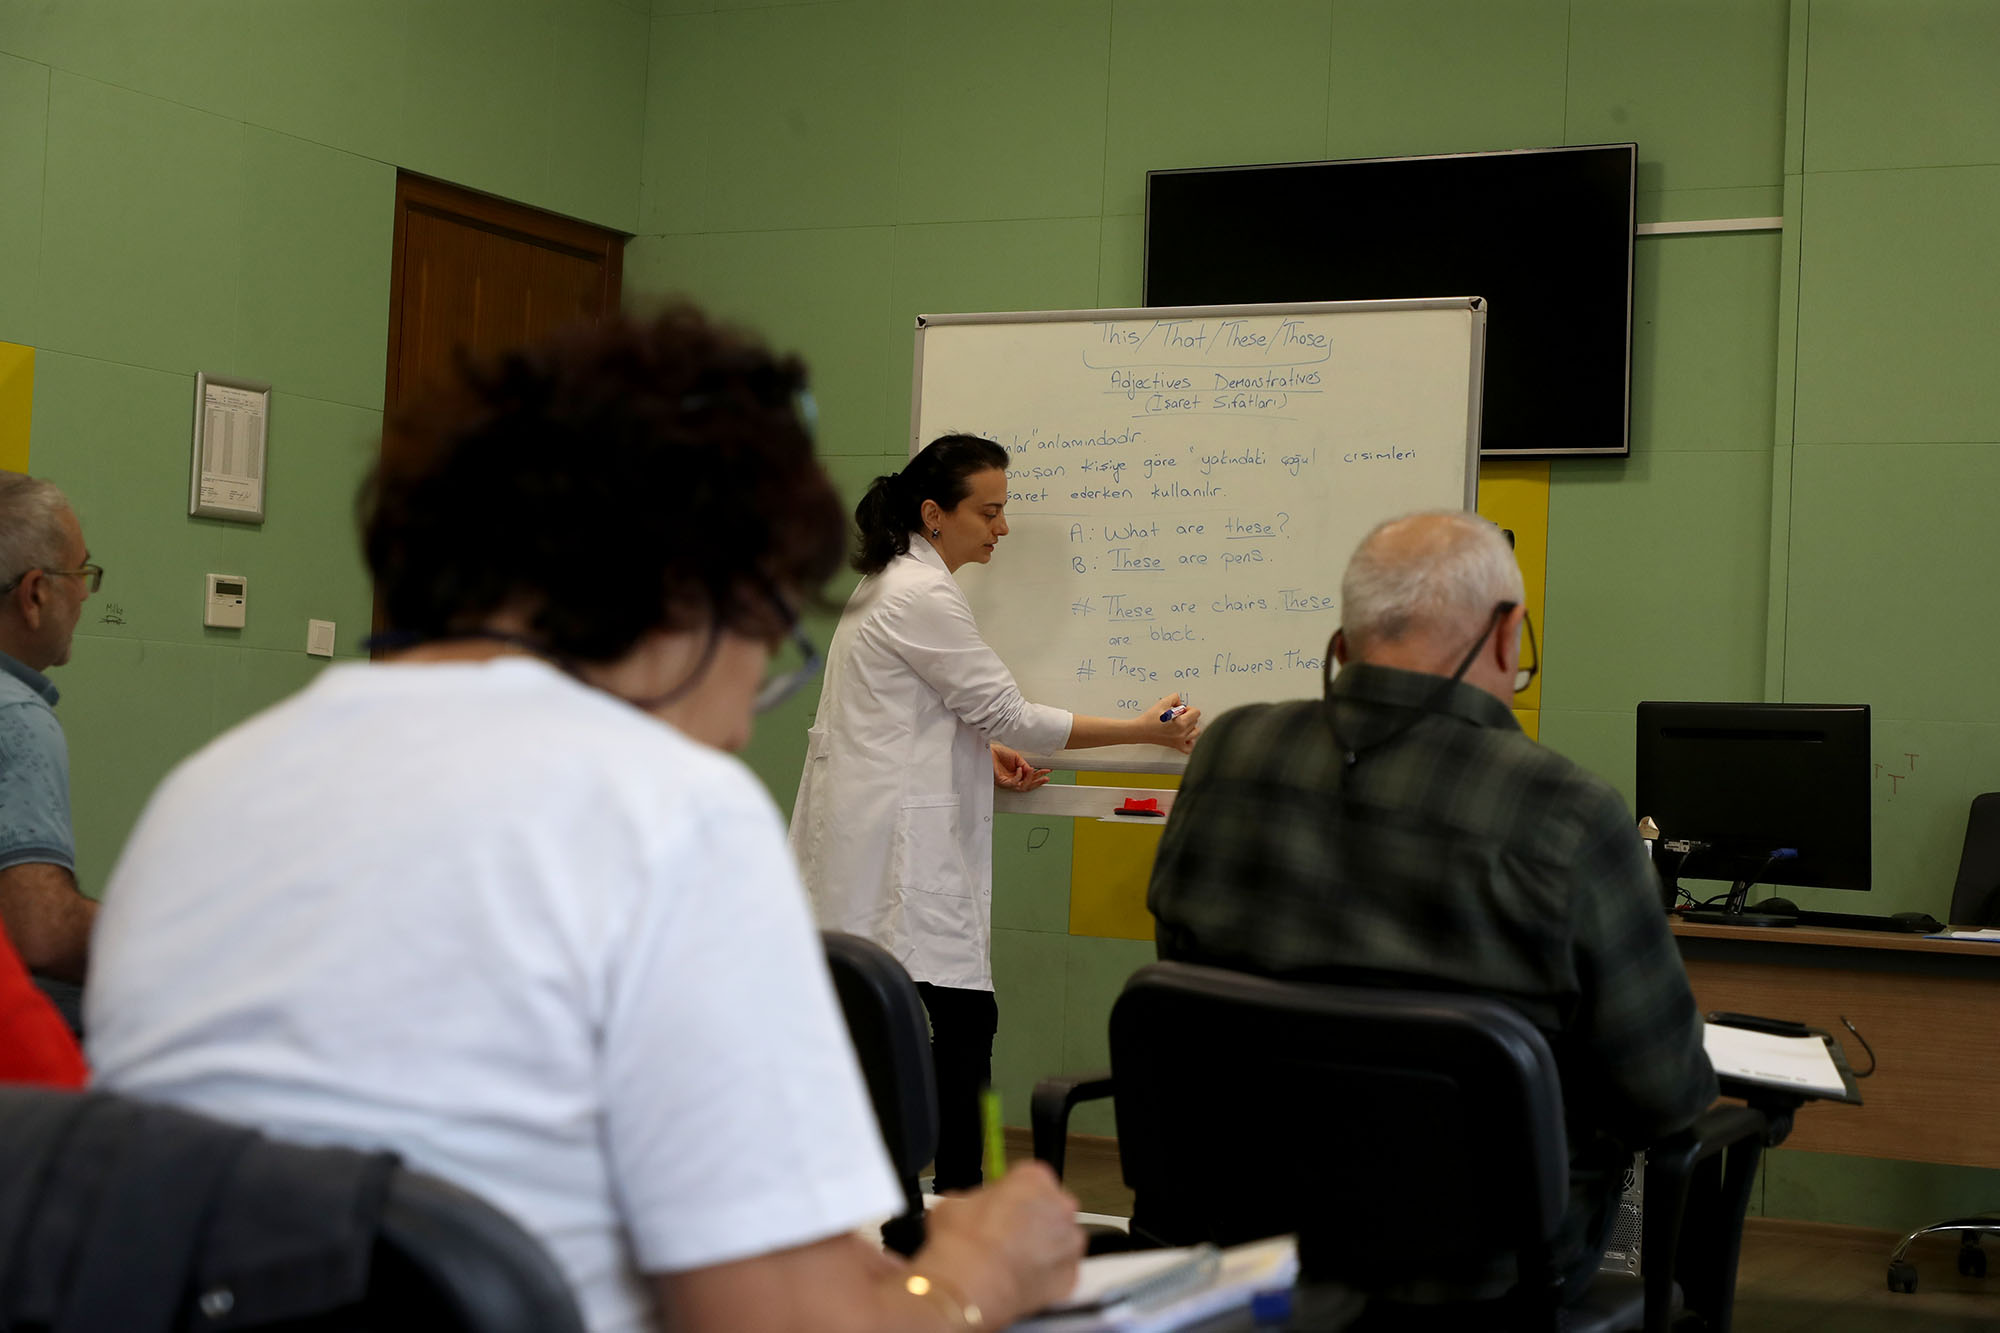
{"x":1731,"y":912}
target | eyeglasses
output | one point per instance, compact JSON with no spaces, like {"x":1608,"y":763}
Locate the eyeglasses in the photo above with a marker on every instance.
{"x":93,"y":574}
{"x":784,"y":684}
{"x":1524,"y":675}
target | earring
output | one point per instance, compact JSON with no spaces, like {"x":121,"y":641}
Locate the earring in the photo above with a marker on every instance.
{"x":934,"y":532}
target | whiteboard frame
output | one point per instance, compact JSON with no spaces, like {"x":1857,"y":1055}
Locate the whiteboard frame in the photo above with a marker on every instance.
{"x":1475,"y":381}
{"x":1475,"y":388}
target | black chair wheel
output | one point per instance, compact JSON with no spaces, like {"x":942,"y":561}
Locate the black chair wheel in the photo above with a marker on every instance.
{"x":1971,"y":1259}
{"x":1902,"y":1277}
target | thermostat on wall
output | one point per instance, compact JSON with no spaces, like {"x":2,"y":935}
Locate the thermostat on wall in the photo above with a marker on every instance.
{"x":227,"y":594}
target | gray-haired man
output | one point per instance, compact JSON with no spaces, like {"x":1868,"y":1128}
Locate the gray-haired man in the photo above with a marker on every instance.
{"x":45,"y":577}
{"x":1403,"y":827}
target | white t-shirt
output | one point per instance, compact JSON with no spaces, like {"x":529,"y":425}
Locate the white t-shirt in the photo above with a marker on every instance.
{"x":539,"y":944}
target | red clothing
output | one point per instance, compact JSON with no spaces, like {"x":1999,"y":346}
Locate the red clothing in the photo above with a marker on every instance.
{"x":35,"y":1043}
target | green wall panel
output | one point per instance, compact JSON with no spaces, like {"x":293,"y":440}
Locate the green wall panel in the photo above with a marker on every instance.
{"x":1604,"y":742}
{"x":597,"y":111}
{"x":1657,"y":579}
{"x":116,"y":438}
{"x":1201,"y":83}
{"x":130,"y":710}
{"x":169,"y":51}
{"x":1121,"y":263}
{"x":1890,"y":1196}
{"x":1031,"y":863}
{"x":480,"y":117}
{"x":1896,"y":289}
{"x":673,"y":187}
{"x":1748,"y":201}
{"x":1446,"y":76}
{"x":1888,"y":545}
{"x":142,"y":228}
{"x":24,"y":102}
{"x":1031,"y":987}
{"x":980,"y":141}
{"x":332,"y":73}
{"x":978,"y":266}
{"x":315,"y":236}
{"x":803,"y":116}
{"x":1698,"y":84}
{"x":658,"y":268}
{"x":246,"y":683}
{"x":826,"y":295}
{"x":1704,"y":341}
{"x":1097,"y":971}
{"x":1903,"y":84}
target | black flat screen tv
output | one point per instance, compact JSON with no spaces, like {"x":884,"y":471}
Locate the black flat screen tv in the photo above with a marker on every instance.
{"x":1544,"y":235}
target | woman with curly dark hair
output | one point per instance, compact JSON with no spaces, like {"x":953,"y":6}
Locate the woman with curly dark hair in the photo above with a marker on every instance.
{"x":502,"y":903}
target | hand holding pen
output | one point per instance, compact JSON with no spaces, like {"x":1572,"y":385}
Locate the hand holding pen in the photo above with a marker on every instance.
{"x":1175,"y":722}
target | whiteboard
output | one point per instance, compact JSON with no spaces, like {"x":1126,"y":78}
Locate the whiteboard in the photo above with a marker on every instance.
{"x":1187,"y":484}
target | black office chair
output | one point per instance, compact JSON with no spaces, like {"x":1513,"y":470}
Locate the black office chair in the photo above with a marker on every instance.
{"x":113,"y":1210}
{"x":1405,"y":1137}
{"x":891,"y":1034}
{"x":1975,"y":903}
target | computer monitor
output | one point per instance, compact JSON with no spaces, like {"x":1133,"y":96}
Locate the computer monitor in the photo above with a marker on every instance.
{"x":1769,"y":793}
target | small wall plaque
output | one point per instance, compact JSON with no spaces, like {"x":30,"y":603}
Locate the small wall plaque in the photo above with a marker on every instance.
{"x":232,"y":420}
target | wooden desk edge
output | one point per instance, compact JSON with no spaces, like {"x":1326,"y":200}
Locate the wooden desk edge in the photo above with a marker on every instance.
{"x":1827,"y":936}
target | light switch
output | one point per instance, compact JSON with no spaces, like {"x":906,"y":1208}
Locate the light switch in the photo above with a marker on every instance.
{"x":228,"y":598}
{"x":319,"y":638}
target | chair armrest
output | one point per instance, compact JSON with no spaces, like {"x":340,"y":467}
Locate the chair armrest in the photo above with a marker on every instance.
{"x":1709,"y":1219}
{"x":1048,"y":1115}
{"x":1713,"y":1131}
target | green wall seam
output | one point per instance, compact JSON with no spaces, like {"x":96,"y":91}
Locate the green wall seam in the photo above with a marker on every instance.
{"x":1785,"y":398}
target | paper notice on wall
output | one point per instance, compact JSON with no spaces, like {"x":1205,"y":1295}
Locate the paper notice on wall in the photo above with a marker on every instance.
{"x":232,"y":450}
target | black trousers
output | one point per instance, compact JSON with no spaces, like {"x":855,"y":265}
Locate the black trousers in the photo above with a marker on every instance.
{"x":962,"y":1026}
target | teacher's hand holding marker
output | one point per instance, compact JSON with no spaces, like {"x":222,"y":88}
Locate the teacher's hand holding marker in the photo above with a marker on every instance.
{"x":919,"y":720}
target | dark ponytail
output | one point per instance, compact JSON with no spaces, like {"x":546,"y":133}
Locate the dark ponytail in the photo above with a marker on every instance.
{"x":893,"y":507}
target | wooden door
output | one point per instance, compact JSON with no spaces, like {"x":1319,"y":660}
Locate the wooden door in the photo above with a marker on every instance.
{"x":477,"y":273}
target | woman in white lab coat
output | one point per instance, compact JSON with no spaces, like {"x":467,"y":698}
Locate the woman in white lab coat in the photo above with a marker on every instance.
{"x":918,"y":721}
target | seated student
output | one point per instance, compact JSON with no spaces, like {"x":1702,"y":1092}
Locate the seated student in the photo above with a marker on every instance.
{"x":501,"y":903}
{"x":1404,"y":831}
{"x":35,"y":1043}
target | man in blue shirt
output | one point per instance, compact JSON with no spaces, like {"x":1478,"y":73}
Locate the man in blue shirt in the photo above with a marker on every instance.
{"x":45,"y":577}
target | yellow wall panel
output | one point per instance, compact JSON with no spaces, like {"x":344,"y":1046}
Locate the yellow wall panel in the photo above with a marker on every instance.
{"x":1110,"y":864}
{"x":17,"y":400}
{"x":1516,"y":496}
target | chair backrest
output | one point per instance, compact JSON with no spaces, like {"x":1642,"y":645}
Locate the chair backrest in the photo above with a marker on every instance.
{"x":1401,"y":1134}
{"x":891,"y":1034}
{"x":192,"y":1212}
{"x":1975,"y":900}
{"x":441,"y":1249}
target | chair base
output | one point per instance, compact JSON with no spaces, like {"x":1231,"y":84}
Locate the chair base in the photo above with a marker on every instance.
{"x":1971,"y":1258}
{"x":1615,"y":1303}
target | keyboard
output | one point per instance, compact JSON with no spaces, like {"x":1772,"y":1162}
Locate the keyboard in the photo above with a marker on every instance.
{"x":1860,"y":921}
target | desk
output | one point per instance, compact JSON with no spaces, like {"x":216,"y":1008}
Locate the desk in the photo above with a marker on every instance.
{"x":1929,"y":1008}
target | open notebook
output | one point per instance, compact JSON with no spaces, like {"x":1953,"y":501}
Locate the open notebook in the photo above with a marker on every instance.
{"x":1800,"y":1064}
{"x":1167,"y":1289}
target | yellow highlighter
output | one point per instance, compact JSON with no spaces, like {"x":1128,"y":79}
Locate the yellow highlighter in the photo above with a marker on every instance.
{"x":996,"y":1143}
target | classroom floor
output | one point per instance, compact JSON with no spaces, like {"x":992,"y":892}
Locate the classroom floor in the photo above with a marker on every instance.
{"x":1795,"y":1277}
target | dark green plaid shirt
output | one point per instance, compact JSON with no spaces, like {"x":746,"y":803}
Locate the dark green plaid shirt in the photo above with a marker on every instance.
{"x":1457,"y":855}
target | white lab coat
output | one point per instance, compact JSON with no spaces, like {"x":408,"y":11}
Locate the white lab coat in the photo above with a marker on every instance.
{"x":893,"y":828}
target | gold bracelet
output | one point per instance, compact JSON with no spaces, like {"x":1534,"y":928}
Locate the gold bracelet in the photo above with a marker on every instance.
{"x":963,"y":1313}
